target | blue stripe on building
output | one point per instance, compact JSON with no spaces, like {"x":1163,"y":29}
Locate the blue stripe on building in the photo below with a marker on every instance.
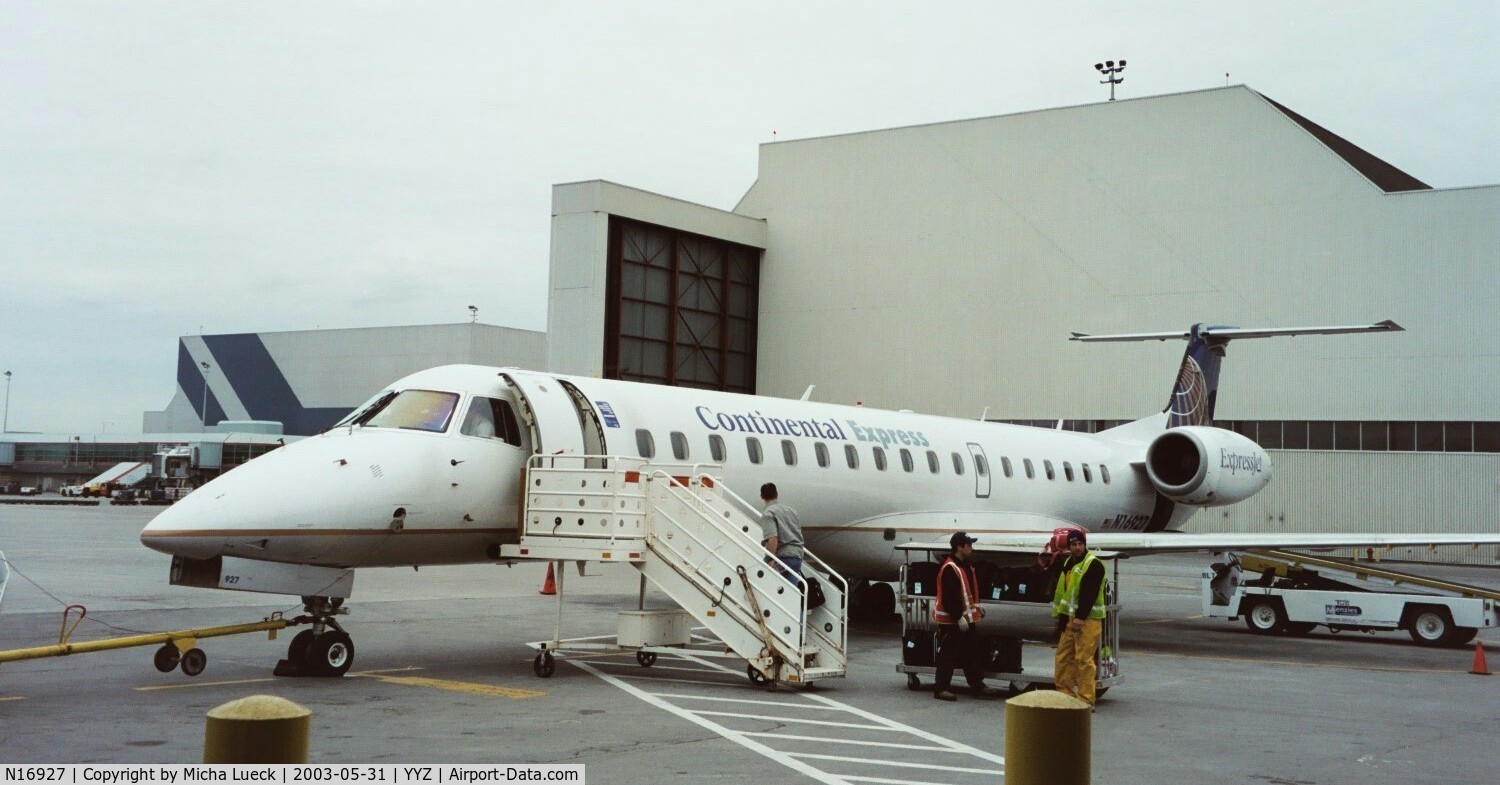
{"x":190,"y":378}
{"x":261,"y":386}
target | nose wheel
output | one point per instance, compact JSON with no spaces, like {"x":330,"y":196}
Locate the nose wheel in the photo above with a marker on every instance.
{"x":326,"y":649}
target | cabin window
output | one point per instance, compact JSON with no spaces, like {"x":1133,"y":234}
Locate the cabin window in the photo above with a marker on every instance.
{"x":416,"y":410}
{"x":906,"y":461}
{"x":716,"y":447}
{"x":1030,"y":470}
{"x":1087,"y":477}
{"x":491,"y":418}
{"x":851,"y":456}
{"x":1051,"y":474}
{"x":1068,"y":471}
{"x":752,"y":446}
{"x":932,"y":462}
{"x":1104,"y":473}
{"x":789,"y":452}
{"x":645,"y":446}
{"x":958,"y":464}
{"x":1005,"y":465}
{"x":821,"y":450}
{"x":981,"y":466}
{"x":879,"y":458}
{"x":679,"y":445}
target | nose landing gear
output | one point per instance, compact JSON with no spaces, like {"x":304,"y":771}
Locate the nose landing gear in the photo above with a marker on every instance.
{"x":324,"y":650}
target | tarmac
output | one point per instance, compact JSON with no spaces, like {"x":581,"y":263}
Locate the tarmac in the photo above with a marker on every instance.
{"x":442,"y":674}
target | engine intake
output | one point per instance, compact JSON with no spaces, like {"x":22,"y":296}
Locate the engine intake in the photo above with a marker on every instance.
{"x":1206,"y":467}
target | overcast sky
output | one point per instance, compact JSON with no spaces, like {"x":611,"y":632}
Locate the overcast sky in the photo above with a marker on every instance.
{"x":171,"y":168}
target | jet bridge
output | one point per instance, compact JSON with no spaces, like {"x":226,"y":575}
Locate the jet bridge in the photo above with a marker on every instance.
{"x":698,"y":542}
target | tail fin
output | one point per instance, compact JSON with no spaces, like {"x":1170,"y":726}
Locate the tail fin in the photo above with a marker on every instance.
{"x":1197,"y":387}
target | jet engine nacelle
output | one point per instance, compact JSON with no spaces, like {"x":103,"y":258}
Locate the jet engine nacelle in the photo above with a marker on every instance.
{"x":1206,"y":467}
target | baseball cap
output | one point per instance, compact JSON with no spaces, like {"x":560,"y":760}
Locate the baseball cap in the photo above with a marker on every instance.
{"x":961,"y":538}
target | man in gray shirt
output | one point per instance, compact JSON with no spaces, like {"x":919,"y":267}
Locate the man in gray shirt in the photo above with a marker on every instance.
{"x":781,"y":530}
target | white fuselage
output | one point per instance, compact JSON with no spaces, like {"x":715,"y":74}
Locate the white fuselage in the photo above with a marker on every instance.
{"x":370,"y":495}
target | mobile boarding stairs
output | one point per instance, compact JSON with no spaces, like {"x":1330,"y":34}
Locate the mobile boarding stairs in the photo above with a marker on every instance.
{"x":698,"y":542}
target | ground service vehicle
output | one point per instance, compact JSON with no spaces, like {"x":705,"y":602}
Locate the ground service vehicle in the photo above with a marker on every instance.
{"x":1289,"y":596}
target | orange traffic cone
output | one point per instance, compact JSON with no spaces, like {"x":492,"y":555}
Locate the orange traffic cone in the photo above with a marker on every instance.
{"x":549,"y":586}
{"x":1480,"y":668}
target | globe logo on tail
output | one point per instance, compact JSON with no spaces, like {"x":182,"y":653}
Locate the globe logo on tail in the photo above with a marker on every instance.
{"x":1189,"y":404}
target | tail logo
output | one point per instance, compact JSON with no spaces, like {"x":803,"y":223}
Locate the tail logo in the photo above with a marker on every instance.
{"x":1189,"y":405}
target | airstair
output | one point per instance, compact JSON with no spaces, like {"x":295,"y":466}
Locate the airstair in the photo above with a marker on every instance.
{"x":697,"y":541}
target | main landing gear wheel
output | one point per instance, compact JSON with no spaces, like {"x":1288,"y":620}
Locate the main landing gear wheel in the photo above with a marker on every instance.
{"x":645,"y":658}
{"x":193,"y":662}
{"x":912,"y":682}
{"x":166,"y":658}
{"x":544,"y":665}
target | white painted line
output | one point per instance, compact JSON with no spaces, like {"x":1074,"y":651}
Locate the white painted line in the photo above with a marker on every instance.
{"x":792,"y":719}
{"x":717,"y":699}
{"x":648,"y":677}
{"x":657,"y":667}
{"x":827,"y":740}
{"x":884,"y":781}
{"x":932,"y":737}
{"x":903,"y":764}
{"x":750,"y":744}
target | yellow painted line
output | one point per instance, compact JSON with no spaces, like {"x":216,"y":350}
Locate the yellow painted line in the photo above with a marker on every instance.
{"x":12,"y":698}
{"x":459,"y":686}
{"x":156,"y":687}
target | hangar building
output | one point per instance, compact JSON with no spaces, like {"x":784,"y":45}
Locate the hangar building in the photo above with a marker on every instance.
{"x":942,"y":268}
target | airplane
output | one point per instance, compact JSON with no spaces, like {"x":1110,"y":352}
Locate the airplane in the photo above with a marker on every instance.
{"x":431,"y":470}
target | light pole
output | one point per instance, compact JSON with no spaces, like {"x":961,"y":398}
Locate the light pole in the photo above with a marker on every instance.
{"x":206,"y":368}
{"x":473,"y":314}
{"x":1109,"y":69}
{"x":5,"y":426}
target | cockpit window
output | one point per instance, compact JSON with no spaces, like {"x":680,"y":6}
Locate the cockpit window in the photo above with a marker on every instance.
{"x":366,"y":410}
{"x":491,"y":418}
{"x":418,"y":410}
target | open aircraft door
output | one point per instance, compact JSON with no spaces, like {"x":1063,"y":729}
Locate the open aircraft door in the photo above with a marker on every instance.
{"x":549,"y":412}
{"x":981,"y":471}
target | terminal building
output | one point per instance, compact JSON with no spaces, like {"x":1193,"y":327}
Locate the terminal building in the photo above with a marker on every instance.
{"x":942,"y":268}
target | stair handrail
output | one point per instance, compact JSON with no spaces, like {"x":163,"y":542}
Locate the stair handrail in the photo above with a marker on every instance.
{"x":808,"y":557}
{"x":746,"y":547}
{"x":730,"y":601}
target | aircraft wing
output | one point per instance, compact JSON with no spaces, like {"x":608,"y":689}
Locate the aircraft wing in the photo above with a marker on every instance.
{"x":1128,"y":544}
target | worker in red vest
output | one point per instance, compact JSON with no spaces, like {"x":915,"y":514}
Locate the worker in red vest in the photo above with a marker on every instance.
{"x":957,"y":613}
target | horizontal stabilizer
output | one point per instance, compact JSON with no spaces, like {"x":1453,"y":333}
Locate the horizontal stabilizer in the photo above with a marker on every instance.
{"x":1228,"y":333}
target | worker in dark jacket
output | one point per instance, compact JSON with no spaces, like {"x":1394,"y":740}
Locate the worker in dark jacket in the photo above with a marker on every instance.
{"x":957,"y":613}
{"x":1078,"y":605}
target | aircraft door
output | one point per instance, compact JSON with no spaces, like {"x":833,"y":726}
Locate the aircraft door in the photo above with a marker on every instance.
{"x":981,"y":471}
{"x":548,"y":411}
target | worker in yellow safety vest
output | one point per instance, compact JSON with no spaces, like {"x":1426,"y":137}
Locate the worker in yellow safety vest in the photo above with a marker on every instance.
{"x":1078,"y":606}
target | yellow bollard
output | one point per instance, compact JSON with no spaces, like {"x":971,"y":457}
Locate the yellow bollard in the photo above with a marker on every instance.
{"x":257,"y":729}
{"x":1047,"y":739}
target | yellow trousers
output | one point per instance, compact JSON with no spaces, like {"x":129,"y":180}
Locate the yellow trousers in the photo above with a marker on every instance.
{"x":1074,"y":669}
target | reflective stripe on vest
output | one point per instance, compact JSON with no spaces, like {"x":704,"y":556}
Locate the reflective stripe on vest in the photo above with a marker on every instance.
{"x":1065,"y":598}
{"x":967,"y":579}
